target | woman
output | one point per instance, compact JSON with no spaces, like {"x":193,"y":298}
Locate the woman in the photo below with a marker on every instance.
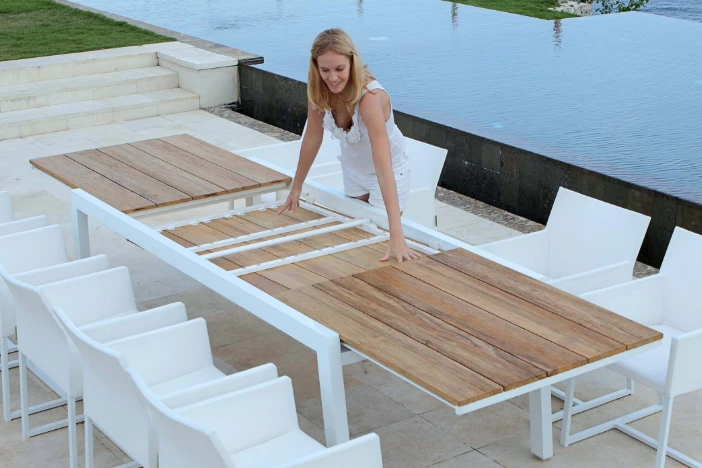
{"x":346,"y":100}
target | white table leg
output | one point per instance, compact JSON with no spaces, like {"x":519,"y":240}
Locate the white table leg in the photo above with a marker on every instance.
{"x":331,"y":383}
{"x":540,"y":423}
{"x":81,"y":235}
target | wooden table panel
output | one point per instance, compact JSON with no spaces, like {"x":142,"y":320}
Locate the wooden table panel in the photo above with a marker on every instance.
{"x":552,"y":299}
{"x":432,"y":370}
{"x":230,"y":181}
{"x":169,"y":174}
{"x":227,"y":160}
{"x":483,"y":325}
{"x":122,"y":174}
{"x":524,"y":314}
{"x":473,"y":353}
{"x":70,"y":173}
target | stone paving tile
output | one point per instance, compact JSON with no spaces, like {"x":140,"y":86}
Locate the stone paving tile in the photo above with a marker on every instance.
{"x":402,"y":392}
{"x":368,"y":410}
{"x":415,"y":442}
{"x":473,"y":459}
{"x":482,"y":427}
{"x":305,"y":377}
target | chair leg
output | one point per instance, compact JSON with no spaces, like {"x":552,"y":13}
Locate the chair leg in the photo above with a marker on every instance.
{"x":664,"y":432}
{"x":89,"y":443}
{"x":567,"y":413}
{"x":24,"y":404}
{"x":5,"y":357}
{"x":72,"y":433}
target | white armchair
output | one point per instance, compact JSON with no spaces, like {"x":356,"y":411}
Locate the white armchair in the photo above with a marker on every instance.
{"x":670,"y":302}
{"x":426,"y":162}
{"x":587,"y":244}
{"x":253,"y":427}
{"x":105,"y":296}
{"x":175,"y":359}
{"x":41,"y":251}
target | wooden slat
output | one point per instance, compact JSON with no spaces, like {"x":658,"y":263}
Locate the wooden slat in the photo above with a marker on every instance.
{"x":221,"y":262}
{"x":473,"y":353}
{"x":446,"y":378}
{"x":548,"y":325}
{"x":177,"y":178}
{"x":76,"y":175}
{"x":264,"y":284}
{"x":552,"y":299}
{"x":227,"y":160}
{"x":483,"y":325}
{"x":142,"y":184}
{"x":230,"y":181}
{"x":327,"y":266}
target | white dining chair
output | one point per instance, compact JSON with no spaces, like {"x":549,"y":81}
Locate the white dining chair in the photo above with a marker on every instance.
{"x":425,"y":164}
{"x":251,"y":428}
{"x":40,"y":250}
{"x":175,"y":359}
{"x":105,"y":296}
{"x":670,"y":302}
{"x":587,"y":244}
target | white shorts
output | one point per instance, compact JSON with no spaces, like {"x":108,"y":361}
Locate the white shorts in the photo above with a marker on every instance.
{"x":356,"y":185}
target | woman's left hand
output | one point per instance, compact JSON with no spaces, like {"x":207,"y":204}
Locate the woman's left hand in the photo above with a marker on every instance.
{"x":399,"y":248}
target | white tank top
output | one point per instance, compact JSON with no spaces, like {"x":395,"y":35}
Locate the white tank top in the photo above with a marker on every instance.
{"x":355,"y":144}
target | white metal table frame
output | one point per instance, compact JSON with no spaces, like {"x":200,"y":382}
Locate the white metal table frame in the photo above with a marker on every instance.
{"x":331,"y":353}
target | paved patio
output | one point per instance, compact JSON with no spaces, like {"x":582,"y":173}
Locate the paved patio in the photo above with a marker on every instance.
{"x":415,"y":430}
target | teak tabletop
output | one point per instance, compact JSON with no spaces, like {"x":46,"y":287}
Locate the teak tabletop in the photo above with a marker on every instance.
{"x":464,"y":327}
{"x":159,"y":172}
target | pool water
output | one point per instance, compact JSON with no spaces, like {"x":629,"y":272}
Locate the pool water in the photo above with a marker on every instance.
{"x":618,"y":94}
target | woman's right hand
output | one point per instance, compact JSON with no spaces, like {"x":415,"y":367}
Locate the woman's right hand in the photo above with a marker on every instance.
{"x":292,"y":202}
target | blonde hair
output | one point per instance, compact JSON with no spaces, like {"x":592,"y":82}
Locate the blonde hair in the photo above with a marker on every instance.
{"x":318,"y":93}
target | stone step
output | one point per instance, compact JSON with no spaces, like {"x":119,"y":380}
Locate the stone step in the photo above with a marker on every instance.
{"x":85,"y":87}
{"x":60,"y":117}
{"x":55,"y":67}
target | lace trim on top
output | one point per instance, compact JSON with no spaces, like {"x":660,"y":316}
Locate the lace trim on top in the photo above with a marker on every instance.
{"x":354,"y":133}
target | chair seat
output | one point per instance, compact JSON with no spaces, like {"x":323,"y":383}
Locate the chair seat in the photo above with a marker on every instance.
{"x":200,"y":376}
{"x":650,"y":368}
{"x":282,"y":449}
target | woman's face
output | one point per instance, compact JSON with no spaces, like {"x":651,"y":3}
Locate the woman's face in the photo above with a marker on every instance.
{"x":334,"y":68}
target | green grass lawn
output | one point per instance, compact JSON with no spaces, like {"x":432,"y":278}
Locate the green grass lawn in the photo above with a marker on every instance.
{"x":535,"y":8}
{"x":35,"y":28}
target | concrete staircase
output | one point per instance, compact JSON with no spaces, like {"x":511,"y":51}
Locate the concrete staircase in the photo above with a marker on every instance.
{"x":63,"y":92}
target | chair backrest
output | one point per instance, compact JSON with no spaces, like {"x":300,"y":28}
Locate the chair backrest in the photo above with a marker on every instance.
{"x":683,"y":281}
{"x":22,"y":252}
{"x":426,"y":162}
{"x":181,"y":442}
{"x":6,"y":212}
{"x":41,"y":338}
{"x":21,"y":225}
{"x":111,"y":399}
{"x":586,"y":233}
{"x":95,"y":297}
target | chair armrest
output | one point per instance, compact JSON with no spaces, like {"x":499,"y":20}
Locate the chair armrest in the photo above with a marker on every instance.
{"x":599,"y":278}
{"x":684,"y":364}
{"x":134,"y":324}
{"x":94,"y":297}
{"x":363,"y":451}
{"x":21,"y":225}
{"x":215,"y":388}
{"x":261,"y":412}
{"x":639,"y":300}
{"x":64,"y":271}
{"x":164,"y":354}
{"x":528,"y":250}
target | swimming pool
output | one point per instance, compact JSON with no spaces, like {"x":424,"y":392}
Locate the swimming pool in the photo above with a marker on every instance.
{"x":618,"y":94}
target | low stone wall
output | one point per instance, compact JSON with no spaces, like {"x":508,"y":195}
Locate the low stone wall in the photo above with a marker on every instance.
{"x":510,"y":178}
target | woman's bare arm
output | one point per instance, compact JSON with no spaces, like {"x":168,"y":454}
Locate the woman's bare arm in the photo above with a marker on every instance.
{"x":311,"y":142}
{"x":371,"y":109}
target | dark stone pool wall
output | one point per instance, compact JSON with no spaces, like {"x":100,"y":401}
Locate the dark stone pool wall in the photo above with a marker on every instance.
{"x":507,"y":177}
